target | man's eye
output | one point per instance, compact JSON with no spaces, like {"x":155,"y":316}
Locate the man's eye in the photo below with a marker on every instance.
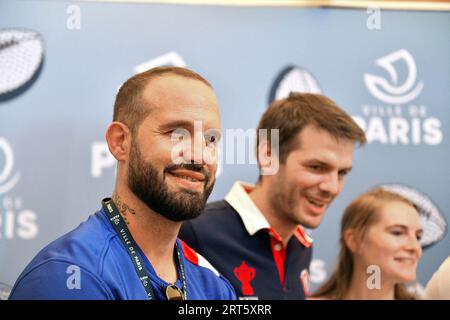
{"x":343,"y":173}
{"x":175,"y":135}
{"x":179,"y":135}
{"x":211,"y":140}
{"x":396,"y":232}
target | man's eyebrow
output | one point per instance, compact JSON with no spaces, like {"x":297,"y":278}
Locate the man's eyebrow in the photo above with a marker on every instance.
{"x":324,"y":163}
{"x":176,"y":124}
{"x":316,"y":161}
{"x":185,"y":124}
{"x":348,"y":169}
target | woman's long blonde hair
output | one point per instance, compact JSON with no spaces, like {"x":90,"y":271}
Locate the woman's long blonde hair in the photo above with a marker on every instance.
{"x":359,"y":215}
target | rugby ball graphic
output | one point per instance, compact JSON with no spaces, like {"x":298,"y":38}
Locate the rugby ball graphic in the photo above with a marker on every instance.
{"x":293,"y":79}
{"x":433,"y":221}
{"x":21,"y":55}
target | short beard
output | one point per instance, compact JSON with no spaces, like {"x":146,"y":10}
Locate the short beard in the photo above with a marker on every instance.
{"x":282,"y":199}
{"x":145,"y":182}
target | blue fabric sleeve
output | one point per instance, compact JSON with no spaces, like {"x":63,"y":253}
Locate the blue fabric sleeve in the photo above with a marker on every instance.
{"x":59,"y":280}
{"x":230,"y":294}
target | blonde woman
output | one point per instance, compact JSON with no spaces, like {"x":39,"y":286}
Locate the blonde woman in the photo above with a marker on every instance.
{"x":380,"y":237}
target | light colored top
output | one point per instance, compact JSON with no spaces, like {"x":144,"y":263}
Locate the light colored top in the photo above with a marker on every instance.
{"x":438,"y":288}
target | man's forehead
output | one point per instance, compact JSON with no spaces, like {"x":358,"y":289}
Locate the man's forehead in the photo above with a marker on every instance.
{"x":185,"y":117}
{"x":175,"y":87}
{"x":189,"y":97}
{"x":173,"y":96}
{"x":320,"y":145}
{"x":189,"y":121}
{"x":312,"y":134}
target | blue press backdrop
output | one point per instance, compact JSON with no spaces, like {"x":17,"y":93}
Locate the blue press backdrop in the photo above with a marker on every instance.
{"x":54,"y":130}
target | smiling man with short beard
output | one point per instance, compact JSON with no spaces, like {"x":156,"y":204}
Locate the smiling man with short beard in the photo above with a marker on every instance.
{"x":129,"y":249}
{"x":151,"y":187}
{"x":259,"y":242}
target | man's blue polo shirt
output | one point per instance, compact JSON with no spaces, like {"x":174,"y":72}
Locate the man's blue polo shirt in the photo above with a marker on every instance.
{"x":91,"y":262}
{"x":236,"y":238}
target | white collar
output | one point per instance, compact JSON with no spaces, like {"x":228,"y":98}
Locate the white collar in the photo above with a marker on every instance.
{"x":251,"y":216}
{"x":239,"y":199}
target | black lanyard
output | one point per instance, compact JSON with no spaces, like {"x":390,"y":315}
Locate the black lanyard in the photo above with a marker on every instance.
{"x":132,"y":248}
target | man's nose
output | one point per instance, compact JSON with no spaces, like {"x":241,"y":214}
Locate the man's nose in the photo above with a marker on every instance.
{"x":330,"y":184}
{"x":194,"y":149}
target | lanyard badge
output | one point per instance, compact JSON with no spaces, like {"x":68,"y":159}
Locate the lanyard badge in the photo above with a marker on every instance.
{"x":172,"y":292}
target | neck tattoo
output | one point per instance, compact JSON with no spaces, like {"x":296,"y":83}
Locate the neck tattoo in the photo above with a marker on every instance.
{"x":124,"y":209}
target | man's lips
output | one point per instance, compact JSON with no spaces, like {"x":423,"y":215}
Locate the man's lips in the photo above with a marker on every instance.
{"x":318,"y":202}
{"x":189,"y":175}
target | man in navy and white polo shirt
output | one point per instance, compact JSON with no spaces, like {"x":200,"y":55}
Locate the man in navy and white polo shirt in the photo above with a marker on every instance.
{"x":255,"y":236}
{"x":129,"y":249}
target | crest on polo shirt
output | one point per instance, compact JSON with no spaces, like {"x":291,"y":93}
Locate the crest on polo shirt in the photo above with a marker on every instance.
{"x":304,"y":281}
{"x":245,"y":275}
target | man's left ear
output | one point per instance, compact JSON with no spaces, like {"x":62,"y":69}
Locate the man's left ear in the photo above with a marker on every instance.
{"x":264,"y":154}
{"x":268,"y":159}
{"x":118,"y":137}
